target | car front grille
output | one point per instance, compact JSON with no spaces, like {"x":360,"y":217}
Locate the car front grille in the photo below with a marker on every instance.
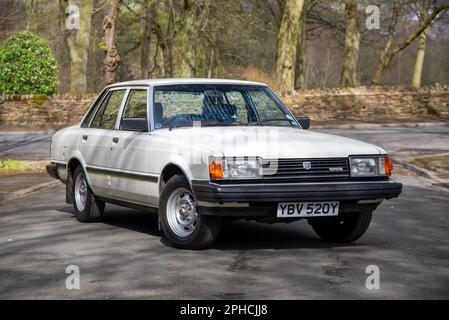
{"x":325,"y":169}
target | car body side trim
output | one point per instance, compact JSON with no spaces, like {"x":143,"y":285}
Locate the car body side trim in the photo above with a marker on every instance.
{"x":128,"y":204}
{"x":135,"y":175}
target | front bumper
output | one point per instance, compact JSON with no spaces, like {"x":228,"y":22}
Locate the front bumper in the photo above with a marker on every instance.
{"x":206,"y":191}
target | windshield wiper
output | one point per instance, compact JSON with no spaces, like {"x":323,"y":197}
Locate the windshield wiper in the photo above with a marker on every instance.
{"x":179,"y":125}
{"x":280,"y":119}
{"x":272,"y":120}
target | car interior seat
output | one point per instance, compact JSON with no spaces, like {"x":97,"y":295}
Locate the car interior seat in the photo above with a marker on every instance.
{"x":215,"y":108}
{"x":158,"y":114}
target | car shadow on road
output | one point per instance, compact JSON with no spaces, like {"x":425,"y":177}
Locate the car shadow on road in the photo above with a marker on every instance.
{"x":125,"y":218}
{"x":133,"y":220}
{"x":243,"y":235}
{"x":237,"y":235}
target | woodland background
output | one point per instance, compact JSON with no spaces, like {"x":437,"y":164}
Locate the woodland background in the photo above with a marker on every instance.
{"x":289,"y":44}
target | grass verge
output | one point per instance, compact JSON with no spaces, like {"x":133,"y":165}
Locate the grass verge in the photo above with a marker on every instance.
{"x":11,"y":166}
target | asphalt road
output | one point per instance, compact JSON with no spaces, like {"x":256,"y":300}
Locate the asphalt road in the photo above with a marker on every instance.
{"x":398,"y":141}
{"x":402,"y":142}
{"x":25,"y":147}
{"x":124,"y":256}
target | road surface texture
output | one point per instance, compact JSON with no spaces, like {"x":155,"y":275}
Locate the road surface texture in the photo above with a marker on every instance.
{"x":124,"y":256}
{"x":25,"y":147}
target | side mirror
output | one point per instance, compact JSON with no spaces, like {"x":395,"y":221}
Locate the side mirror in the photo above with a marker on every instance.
{"x":304,"y":122}
{"x":134,"y":124}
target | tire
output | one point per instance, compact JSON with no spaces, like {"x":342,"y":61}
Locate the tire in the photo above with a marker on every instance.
{"x":181,"y":222}
{"x":93,"y":209}
{"x":345,"y":230}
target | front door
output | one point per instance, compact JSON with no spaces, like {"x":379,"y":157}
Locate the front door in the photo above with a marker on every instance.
{"x":129,"y":151}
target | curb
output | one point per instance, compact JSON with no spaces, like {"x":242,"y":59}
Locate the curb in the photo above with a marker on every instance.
{"x":26,"y":191}
{"x":437,"y":182}
{"x":416,"y":169}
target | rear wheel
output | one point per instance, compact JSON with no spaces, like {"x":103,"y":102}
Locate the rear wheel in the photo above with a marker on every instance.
{"x":343,"y":230}
{"x":181,"y":222}
{"x":87,"y":208}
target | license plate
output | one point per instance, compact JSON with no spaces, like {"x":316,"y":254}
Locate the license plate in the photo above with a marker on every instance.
{"x":307,"y":209}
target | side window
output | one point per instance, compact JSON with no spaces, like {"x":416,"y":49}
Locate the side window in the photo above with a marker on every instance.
{"x":136,"y":107}
{"x":107,"y":114}
{"x":93,"y":110}
{"x":135,"y":113}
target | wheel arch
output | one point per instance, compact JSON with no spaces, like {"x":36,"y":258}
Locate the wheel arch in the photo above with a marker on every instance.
{"x":171,"y":169}
{"x":76,"y":160}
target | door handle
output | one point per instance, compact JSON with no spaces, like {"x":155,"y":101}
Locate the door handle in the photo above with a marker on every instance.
{"x":85,"y":138}
{"x":115,"y":140}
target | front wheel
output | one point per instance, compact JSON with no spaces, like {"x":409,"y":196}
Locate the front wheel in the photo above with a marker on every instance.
{"x":181,"y":222}
{"x":87,"y":208}
{"x":343,"y":230}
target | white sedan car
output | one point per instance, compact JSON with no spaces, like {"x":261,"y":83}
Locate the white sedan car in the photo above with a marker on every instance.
{"x":202,"y":152}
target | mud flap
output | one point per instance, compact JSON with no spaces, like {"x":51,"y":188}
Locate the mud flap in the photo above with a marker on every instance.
{"x":69,"y":189}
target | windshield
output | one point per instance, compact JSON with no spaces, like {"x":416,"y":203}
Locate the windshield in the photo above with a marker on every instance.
{"x":218,"y":105}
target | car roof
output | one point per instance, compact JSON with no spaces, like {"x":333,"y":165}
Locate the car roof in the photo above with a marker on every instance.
{"x":174,"y":81}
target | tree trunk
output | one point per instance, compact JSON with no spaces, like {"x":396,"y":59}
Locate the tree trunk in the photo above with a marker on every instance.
{"x":352,"y":44}
{"x":185,"y":67}
{"x":78,"y":42}
{"x":165,"y":36}
{"x":112,"y":59}
{"x":287,"y":45}
{"x":30,"y":7}
{"x":417,"y":72}
{"x":145,"y":39}
{"x":301,"y":55}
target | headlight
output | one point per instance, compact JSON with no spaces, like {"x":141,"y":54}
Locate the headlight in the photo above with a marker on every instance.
{"x":370,"y":166}
{"x":234,"y":168}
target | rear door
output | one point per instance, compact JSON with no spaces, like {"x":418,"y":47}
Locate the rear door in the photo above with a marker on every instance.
{"x":129,"y":151}
{"x":95,"y":142}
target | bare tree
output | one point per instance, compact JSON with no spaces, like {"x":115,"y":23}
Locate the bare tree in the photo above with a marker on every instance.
{"x":300,"y":68}
{"x":352,"y":44}
{"x":164,"y":26}
{"x":112,"y":59}
{"x":146,"y":25}
{"x":30,"y":6}
{"x":287,"y":45}
{"x":422,"y":8}
{"x":77,"y":42}
{"x":390,"y":51}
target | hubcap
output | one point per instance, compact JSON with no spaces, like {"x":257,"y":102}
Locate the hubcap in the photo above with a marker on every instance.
{"x":80,"y":192}
{"x":182,"y":215}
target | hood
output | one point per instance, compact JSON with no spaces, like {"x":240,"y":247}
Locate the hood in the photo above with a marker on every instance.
{"x":270,"y":142}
